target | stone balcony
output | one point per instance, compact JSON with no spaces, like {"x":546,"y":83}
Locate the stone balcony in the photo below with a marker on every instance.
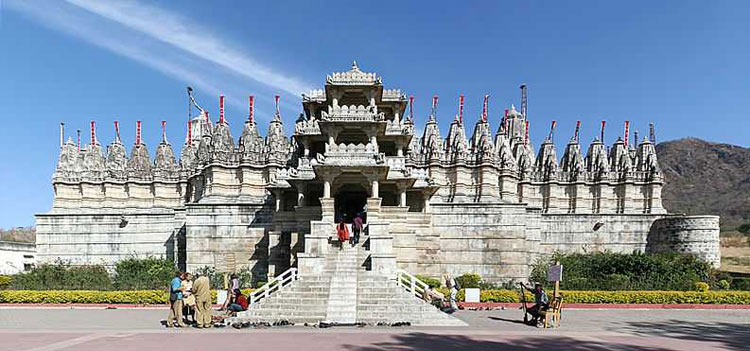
{"x":399,"y":128}
{"x":307,"y":127}
{"x":352,"y":113}
{"x":352,"y":155}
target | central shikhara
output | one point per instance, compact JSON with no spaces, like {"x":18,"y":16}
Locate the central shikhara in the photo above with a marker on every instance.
{"x":487,"y":203}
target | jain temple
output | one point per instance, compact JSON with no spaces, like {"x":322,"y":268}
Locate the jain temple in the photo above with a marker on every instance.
{"x":480,"y":199}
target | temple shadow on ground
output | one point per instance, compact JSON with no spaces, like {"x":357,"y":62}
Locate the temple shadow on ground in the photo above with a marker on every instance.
{"x":732,"y":336}
{"x":437,"y":342}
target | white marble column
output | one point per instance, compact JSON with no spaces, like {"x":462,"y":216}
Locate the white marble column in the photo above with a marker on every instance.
{"x":402,"y":198}
{"x":375,"y":189}
{"x":326,"y":188}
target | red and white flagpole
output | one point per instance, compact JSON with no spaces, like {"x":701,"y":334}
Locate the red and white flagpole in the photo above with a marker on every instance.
{"x":434,"y":104}
{"x":138,"y":132}
{"x":164,"y":131}
{"x":526,"y":134}
{"x":277,"y":97}
{"x":78,"y":135}
{"x":578,"y":129}
{"x":627,"y":133}
{"x":552,"y":131}
{"x":93,"y":133}
{"x":117,"y":131}
{"x":601,"y":132}
{"x":485,"y":106}
{"x":461,"y":108}
{"x":62,"y":134}
{"x":251,"y":108}
{"x":221,"y":109}
{"x":189,"y":140}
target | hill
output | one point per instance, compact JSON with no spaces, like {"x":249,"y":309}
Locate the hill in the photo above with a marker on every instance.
{"x":706,"y":178}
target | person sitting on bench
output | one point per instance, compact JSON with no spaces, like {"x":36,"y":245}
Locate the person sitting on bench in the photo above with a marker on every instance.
{"x":541,"y":302}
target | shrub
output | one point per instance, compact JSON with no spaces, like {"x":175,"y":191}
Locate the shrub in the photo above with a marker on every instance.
{"x":431,"y":282}
{"x":634,"y":271}
{"x":723,"y":284}
{"x":701,"y":286}
{"x":5,"y":281}
{"x":469,"y":280}
{"x":217,"y":278}
{"x":741,"y":284}
{"x":63,"y":276}
{"x":143,"y":273}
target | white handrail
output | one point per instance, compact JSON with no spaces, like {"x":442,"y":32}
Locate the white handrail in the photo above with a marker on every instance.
{"x":274,"y":285}
{"x":409,"y":282}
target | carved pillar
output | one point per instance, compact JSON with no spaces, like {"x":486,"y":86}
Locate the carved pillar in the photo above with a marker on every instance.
{"x":326,"y":188}
{"x":426,"y":207}
{"x":277,"y":199}
{"x":401,"y":195}
{"x":375,"y":189}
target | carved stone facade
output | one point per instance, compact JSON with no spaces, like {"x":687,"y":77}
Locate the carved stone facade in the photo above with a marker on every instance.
{"x":480,"y":202}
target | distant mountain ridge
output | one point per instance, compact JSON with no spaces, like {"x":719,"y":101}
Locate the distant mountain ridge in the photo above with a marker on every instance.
{"x":706,"y":178}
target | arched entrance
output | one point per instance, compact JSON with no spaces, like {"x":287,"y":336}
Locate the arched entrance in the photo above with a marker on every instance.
{"x":350,"y":200}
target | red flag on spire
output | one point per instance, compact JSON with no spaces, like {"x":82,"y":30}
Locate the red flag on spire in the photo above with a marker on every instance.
{"x":461,"y":108}
{"x":601,"y":132}
{"x":484,"y":107}
{"x":93,"y":134}
{"x":78,"y":134}
{"x":578,"y":128}
{"x":221,"y":109}
{"x":189,"y":140}
{"x":277,"y":97}
{"x":138,"y":132}
{"x":627,"y":133}
{"x":117,"y":131}
{"x":434,"y":104}
{"x":164,"y":131}
{"x":526,"y":134}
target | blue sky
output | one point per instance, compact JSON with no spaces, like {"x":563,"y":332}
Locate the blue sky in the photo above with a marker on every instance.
{"x":681,"y":64}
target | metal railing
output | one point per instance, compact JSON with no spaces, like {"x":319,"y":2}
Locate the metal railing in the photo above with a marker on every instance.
{"x":276,"y":284}
{"x":409,"y":282}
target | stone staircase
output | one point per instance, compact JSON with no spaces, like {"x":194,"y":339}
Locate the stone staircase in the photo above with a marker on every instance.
{"x":345,"y":293}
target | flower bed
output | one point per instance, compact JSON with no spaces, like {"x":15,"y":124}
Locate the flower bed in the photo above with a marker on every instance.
{"x":141,"y":297}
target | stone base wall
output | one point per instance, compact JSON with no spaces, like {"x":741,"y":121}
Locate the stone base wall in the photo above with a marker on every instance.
{"x":228,"y":237}
{"x":698,"y":235}
{"x":104,"y":238}
{"x":591,"y":232}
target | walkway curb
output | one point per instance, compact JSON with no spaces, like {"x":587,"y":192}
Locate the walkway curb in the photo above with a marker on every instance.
{"x":614,"y":306}
{"x":467,"y":305}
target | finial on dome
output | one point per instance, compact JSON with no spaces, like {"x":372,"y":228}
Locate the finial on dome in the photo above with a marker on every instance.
{"x":78,"y":135}
{"x":62,"y":134}
{"x":354,"y":66}
{"x":434,"y":104}
{"x":601,"y":132}
{"x":651,"y":133}
{"x":578,"y":129}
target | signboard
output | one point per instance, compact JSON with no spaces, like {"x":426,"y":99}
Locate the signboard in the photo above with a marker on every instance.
{"x":471,"y":295}
{"x":221,"y":296}
{"x":555,"y":273}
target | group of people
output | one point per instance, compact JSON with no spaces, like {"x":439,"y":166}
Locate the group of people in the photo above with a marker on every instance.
{"x":350,"y":232}
{"x":189,"y":298}
{"x":235,"y":301}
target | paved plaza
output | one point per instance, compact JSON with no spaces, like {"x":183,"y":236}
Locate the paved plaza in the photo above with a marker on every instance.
{"x":140,"y":329}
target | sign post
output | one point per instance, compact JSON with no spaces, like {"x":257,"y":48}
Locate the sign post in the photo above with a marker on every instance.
{"x":554,"y":274}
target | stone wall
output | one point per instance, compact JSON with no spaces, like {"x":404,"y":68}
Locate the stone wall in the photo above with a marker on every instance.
{"x":228,"y":237}
{"x":698,"y":235}
{"x":16,"y":256}
{"x":105,"y":238}
{"x":591,"y":232}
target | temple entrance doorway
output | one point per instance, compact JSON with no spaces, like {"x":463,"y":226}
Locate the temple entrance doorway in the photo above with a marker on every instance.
{"x":350,"y":200}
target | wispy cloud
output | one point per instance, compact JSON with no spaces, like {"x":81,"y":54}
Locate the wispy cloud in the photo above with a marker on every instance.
{"x":170,"y":28}
{"x":157,"y":38}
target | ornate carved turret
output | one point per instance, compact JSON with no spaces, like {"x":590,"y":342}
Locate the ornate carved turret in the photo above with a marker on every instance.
{"x":251,"y":144}
{"x":572,"y":164}
{"x":524,"y":156}
{"x":546,"y":161}
{"x":647,"y":162}
{"x":164,"y":161}
{"x":278,"y":147}
{"x":619,"y":160}
{"x":456,"y":145}
{"x":68,"y":163}
{"x":481,"y":142}
{"x":432,"y":142}
{"x":597,"y":163}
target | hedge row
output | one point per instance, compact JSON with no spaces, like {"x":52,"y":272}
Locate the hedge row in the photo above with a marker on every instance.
{"x":150,"y":297}
{"x":625,"y":297}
